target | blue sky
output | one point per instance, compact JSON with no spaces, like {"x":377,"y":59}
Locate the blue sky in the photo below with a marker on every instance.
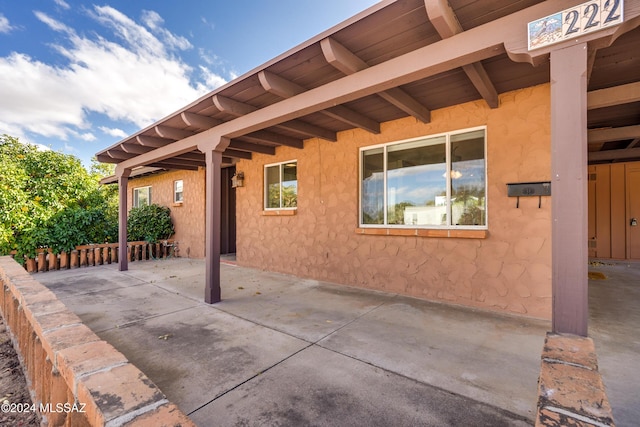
{"x":78,"y":76}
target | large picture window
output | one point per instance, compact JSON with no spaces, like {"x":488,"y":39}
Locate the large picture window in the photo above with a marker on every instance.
{"x":281,"y":185}
{"x":141,"y":196}
{"x":436,"y":181}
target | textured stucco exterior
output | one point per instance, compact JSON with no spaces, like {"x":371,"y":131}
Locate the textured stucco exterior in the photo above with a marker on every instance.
{"x":188,"y":216}
{"x":509,"y":270}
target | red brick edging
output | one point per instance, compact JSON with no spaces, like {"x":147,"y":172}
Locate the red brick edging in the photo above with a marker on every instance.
{"x":570,"y":388}
{"x":75,"y":376}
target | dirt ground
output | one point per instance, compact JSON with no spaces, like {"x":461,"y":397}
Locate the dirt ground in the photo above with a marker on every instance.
{"x":15,"y":400}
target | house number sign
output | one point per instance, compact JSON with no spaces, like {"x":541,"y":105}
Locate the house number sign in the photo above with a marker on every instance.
{"x":571,"y":23}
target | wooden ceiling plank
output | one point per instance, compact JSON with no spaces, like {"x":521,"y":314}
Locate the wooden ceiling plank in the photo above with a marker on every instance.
{"x":284,"y":88}
{"x":613,"y":134}
{"x":614,"y":154}
{"x":199,"y":121}
{"x":623,"y":94}
{"x":447,"y":25}
{"x":172,"y":133}
{"x":349,"y":63}
{"x":250,"y":146}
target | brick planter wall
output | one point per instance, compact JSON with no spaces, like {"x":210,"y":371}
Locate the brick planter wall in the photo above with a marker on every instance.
{"x":570,"y":388}
{"x":66,"y":363}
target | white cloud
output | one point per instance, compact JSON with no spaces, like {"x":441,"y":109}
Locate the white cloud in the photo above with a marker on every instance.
{"x":52,"y":23}
{"x":136,"y":78}
{"x":211,"y":80}
{"x":5,"y":26}
{"x":63,"y":4}
{"x":115,"y":132}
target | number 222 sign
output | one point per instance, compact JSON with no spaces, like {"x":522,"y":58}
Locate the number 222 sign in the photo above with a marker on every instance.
{"x":571,"y":23}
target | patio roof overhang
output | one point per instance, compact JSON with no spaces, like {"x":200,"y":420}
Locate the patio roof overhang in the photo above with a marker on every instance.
{"x":405,"y":58}
{"x":396,"y":59}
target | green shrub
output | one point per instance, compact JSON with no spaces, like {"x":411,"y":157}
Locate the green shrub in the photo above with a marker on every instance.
{"x":48,"y":199}
{"x":150,"y":223}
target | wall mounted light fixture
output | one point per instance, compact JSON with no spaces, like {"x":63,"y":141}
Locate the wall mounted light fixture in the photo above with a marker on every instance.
{"x":237,"y":180}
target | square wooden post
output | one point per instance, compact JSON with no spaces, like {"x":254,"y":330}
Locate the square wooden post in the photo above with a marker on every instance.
{"x":123,"y":178}
{"x":569,"y":189}
{"x":213,"y":160}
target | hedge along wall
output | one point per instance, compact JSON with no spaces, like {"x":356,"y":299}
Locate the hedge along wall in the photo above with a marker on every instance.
{"x":66,"y":363}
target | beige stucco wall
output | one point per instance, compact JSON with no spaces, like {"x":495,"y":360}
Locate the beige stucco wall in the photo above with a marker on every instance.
{"x":188,"y":217}
{"x":509,"y":270}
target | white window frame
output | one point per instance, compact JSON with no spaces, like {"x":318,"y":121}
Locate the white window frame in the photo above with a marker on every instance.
{"x":176,"y":192}
{"x":266,"y":186}
{"x":136,"y":197}
{"x":448,"y":226}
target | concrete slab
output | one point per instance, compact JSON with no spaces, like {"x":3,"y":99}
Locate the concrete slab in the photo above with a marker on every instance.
{"x":198,"y":354}
{"x":280,"y":346}
{"x":490,"y":358}
{"x":113,"y":308}
{"x":614,"y":316}
{"x":85,"y":280}
{"x":318,"y":387}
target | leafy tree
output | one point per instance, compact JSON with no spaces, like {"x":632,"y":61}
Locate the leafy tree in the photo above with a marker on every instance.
{"x":150,"y":223}
{"x":48,"y":199}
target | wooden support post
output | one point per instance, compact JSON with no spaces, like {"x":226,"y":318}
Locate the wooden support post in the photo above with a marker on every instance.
{"x":213,"y":160}
{"x":123,"y":178}
{"x":569,"y":189}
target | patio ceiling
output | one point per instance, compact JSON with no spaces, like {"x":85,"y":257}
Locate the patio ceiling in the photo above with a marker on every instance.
{"x":382,"y":33}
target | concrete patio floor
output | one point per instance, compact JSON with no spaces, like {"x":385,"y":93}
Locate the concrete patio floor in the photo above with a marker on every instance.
{"x":280,"y":350}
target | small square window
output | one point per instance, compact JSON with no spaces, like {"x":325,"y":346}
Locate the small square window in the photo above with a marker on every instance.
{"x":141,"y":196}
{"x":177,"y":191}
{"x":281,"y":185}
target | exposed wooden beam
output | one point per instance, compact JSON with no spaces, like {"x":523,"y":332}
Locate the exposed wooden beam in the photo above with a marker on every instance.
{"x":119,"y":154}
{"x":231,"y":106}
{"x":613,"y":134}
{"x":172,"y":133}
{"x":353,"y":118}
{"x":277,"y":85}
{"x":273,"y":138}
{"x":346,"y":61}
{"x":166,"y":164}
{"x":623,"y":94}
{"x":447,"y":25}
{"x":135,"y":149}
{"x":250,"y":146}
{"x":624,"y":154}
{"x":191,"y":156}
{"x":152,"y":141}
{"x":284,"y":88}
{"x":633,"y":143}
{"x":198,"y":120}
{"x":238,"y":154}
{"x":309,"y":130}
